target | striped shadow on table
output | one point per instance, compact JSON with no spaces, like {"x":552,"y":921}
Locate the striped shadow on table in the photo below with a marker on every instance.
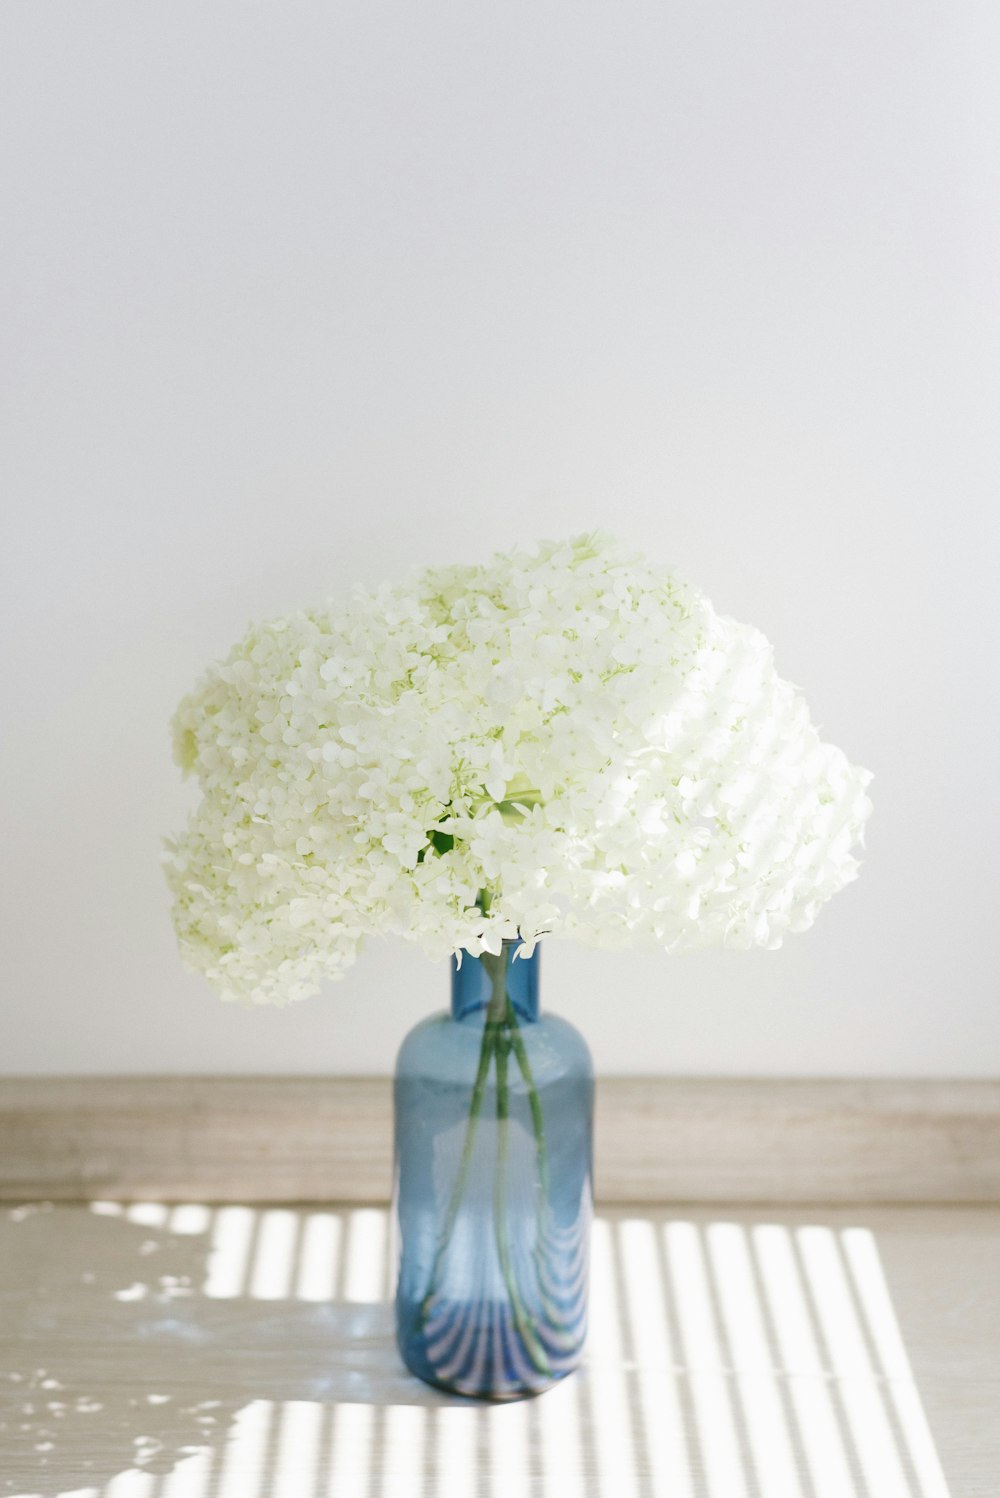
{"x":727,"y":1359}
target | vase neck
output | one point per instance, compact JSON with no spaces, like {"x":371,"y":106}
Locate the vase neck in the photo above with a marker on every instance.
{"x":489,"y":983}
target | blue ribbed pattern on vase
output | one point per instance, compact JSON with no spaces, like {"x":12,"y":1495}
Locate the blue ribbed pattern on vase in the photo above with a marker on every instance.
{"x":492,"y":1186}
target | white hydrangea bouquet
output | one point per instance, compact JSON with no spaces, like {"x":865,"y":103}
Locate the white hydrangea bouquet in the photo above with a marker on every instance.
{"x":566,"y":740}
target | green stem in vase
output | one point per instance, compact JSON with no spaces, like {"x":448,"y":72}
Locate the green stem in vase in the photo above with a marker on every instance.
{"x":495,"y":1014}
{"x":516,"y":1039}
{"x":522,"y":1321}
{"x":553,"y":1314}
{"x":461,"y":1179}
{"x":535,"y":1104}
{"x":501,"y":1034}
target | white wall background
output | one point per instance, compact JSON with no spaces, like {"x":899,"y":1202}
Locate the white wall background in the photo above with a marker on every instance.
{"x":296,"y":295}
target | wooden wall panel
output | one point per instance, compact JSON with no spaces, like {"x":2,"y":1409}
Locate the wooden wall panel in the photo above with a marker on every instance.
{"x":658,"y":1139}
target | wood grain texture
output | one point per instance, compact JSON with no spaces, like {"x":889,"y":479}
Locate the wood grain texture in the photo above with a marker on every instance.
{"x":657,"y":1140}
{"x":799,"y":1141}
{"x":734,"y":1353}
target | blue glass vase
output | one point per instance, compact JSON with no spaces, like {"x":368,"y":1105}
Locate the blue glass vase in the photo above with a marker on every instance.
{"x":492,"y":1186}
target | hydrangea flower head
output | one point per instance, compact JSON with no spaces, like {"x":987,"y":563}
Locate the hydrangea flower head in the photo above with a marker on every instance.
{"x":566,"y":740}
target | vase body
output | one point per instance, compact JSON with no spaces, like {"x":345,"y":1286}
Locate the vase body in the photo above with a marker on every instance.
{"x":492,"y":1186}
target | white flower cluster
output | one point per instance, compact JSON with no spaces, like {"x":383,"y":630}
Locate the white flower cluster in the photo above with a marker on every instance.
{"x":566,"y":740}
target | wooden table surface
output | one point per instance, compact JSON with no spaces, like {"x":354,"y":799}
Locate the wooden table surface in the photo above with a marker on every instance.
{"x":152,"y":1351}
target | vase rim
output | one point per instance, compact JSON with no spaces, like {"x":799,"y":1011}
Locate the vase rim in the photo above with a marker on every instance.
{"x":509,"y":941}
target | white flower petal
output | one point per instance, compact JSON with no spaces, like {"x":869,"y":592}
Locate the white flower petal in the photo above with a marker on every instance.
{"x":350,"y":756}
